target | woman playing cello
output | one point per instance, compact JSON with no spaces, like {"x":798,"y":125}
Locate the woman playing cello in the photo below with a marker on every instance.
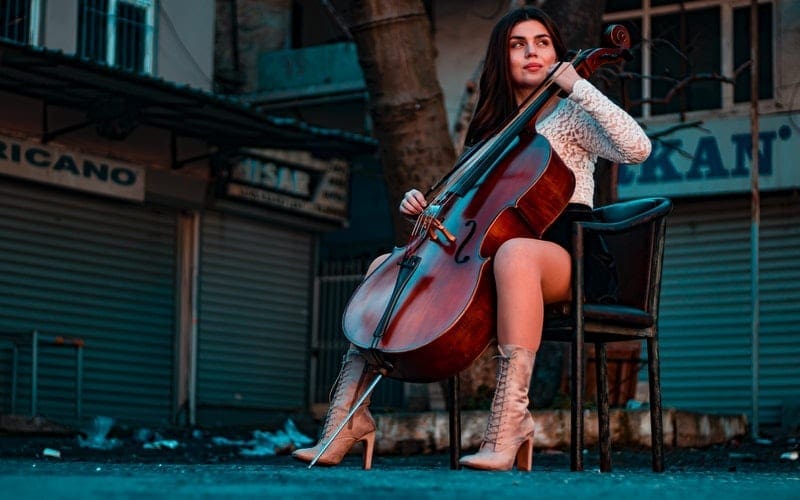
{"x":524,"y":47}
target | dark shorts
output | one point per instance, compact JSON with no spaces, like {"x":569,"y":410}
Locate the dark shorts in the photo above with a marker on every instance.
{"x":600,"y":271}
{"x":560,"y":231}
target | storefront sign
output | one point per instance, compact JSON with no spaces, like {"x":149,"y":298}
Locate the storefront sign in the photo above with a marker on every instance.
{"x":716,"y":158}
{"x":55,"y":165}
{"x":304,"y":185}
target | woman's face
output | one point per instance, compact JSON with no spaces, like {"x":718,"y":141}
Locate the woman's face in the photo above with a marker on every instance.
{"x":531,"y":54}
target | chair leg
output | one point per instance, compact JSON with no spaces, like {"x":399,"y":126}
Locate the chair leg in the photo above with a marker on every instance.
{"x":656,"y":418}
{"x":576,"y":418}
{"x":604,"y":427}
{"x":578,"y":366}
{"x":455,"y":421}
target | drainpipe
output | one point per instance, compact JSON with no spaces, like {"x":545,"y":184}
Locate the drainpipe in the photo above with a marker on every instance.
{"x":755,"y":212}
{"x":235,"y":36}
{"x":194,"y":286}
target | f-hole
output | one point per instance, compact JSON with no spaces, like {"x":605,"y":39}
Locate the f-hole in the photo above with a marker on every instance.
{"x":460,"y":259}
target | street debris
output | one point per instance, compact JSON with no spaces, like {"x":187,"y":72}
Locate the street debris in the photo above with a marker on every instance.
{"x":96,"y":436}
{"x":265,"y":443}
{"x":262,"y":443}
{"x":160,"y":444}
{"x":634,"y":404}
{"x":153,"y":440}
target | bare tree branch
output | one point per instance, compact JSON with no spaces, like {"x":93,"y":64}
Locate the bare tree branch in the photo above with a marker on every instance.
{"x":337,"y":18}
{"x":680,"y":126}
{"x":679,"y":84}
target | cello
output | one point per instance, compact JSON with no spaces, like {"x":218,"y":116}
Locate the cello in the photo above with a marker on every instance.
{"x":428,"y":310}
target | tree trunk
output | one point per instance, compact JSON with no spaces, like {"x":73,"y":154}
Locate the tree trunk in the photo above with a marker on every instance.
{"x":396,"y":53}
{"x":579,"y":20}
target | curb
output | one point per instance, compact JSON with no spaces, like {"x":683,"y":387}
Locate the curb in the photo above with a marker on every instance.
{"x":428,"y":432}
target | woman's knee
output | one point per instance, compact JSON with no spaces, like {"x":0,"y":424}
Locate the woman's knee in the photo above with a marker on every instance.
{"x":530,"y":258}
{"x":515,"y":256}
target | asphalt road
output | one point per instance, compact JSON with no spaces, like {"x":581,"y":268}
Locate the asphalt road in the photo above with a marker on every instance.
{"x":391,"y":477}
{"x":198,"y":464}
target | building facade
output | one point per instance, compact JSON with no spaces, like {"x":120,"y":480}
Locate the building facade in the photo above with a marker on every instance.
{"x":728,"y":314}
{"x":170,"y":229}
{"x":713,"y":357}
{"x":730,"y":294}
{"x":196,"y":244}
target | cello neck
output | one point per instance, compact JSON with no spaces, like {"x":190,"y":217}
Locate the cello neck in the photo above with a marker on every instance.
{"x":495,"y":148}
{"x":468,"y":172}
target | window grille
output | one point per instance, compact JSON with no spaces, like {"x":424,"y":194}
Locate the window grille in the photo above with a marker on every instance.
{"x":19,"y":21}
{"x":92,"y":31}
{"x":117,"y":32}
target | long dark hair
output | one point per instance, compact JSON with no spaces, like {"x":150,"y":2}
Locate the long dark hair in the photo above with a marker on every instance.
{"x":496,"y":93}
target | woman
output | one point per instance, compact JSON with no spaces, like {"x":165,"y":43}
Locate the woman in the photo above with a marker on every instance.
{"x":524,"y":47}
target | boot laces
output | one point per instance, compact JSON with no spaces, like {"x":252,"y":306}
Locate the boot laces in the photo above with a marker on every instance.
{"x":493,"y":429}
{"x":335,"y":410}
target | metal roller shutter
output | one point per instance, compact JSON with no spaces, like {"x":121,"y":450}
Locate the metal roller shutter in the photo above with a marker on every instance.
{"x":101,"y":270}
{"x":705,"y":311}
{"x":255,"y":293}
{"x":779,"y":330}
{"x":705,"y":320}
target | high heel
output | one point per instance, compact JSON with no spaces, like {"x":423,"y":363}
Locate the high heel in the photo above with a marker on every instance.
{"x":525,"y":455}
{"x":351,"y":383}
{"x":509,"y":433}
{"x":369,"y":446}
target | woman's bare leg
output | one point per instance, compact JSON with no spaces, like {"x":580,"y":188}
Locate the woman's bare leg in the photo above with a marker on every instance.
{"x":528,"y":274}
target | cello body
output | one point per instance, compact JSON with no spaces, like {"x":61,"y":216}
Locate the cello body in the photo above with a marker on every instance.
{"x":444,"y":316}
{"x":429,"y":310}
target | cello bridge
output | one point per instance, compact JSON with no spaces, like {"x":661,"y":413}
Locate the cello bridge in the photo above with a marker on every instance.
{"x":429,"y":223}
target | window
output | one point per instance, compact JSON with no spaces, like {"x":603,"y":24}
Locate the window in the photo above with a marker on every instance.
{"x":117,"y":32}
{"x":675,"y":40}
{"x":685,"y":44}
{"x":19,"y":21}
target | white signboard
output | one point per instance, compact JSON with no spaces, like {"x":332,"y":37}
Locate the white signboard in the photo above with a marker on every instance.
{"x":716,"y":157}
{"x":57,"y":166}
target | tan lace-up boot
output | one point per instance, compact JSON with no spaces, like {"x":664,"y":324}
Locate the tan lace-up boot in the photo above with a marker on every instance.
{"x":351,"y":383}
{"x":509,"y":434}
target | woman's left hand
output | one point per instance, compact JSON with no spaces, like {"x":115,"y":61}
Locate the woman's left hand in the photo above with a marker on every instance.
{"x":566,"y":76}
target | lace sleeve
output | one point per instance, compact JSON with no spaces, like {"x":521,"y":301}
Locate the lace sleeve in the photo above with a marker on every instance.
{"x":611,"y":133}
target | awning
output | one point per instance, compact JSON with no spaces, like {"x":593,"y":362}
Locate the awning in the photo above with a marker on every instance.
{"x":117,"y":100}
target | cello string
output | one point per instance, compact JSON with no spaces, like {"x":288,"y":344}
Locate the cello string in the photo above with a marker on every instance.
{"x":460,"y":171}
{"x":489,"y":147}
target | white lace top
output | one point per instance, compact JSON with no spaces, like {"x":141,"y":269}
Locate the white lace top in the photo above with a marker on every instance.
{"x":588,"y":125}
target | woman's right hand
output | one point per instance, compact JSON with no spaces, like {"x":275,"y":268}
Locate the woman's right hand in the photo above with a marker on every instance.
{"x":413,"y":203}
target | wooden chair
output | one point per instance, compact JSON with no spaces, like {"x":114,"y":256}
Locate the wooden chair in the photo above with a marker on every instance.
{"x":634,"y":233}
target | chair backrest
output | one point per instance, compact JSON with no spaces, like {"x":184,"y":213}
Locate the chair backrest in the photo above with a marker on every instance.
{"x":638,"y":252}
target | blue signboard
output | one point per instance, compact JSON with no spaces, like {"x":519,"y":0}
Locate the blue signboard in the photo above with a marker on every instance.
{"x":715,"y":157}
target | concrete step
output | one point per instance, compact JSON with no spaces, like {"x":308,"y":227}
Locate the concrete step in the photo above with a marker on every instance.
{"x":428,"y":432}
